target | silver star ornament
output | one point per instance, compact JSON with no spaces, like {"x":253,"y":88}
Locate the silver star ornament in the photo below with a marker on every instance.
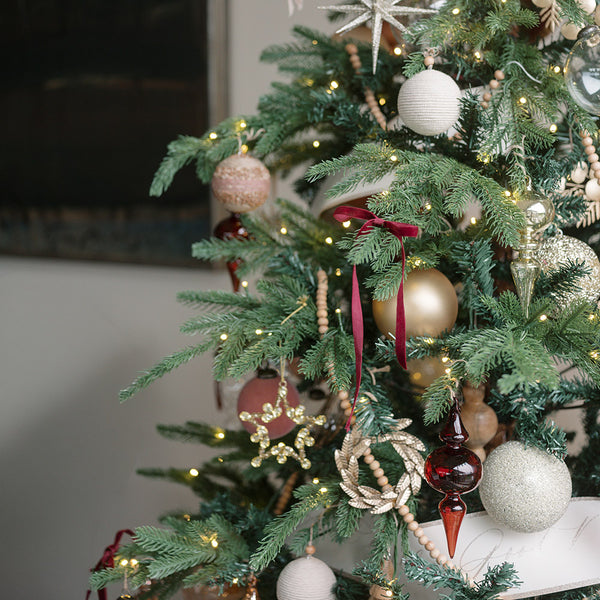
{"x":376,"y":12}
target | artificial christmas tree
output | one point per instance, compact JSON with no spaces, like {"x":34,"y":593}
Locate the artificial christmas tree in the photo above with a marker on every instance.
{"x":503,"y":148}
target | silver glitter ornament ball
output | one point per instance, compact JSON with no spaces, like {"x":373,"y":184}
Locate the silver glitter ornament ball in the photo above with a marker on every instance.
{"x":559,"y":251}
{"x":524,"y":488}
{"x":306,"y":577}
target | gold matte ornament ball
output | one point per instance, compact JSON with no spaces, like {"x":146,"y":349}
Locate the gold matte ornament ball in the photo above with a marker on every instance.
{"x":423,"y":371}
{"x":241,"y":183}
{"x":430,"y":305}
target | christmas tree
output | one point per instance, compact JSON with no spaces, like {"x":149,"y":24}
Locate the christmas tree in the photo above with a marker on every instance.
{"x":438,"y":276}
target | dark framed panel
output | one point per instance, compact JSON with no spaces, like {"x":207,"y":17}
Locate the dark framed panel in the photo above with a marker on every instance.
{"x":93,"y":91}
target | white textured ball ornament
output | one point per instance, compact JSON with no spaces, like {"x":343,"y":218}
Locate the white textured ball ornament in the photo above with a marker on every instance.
{"x":306,"y":578}
{"x":579,"y":173}
{"x":241,"y":182}
{"x":524,"y":488}
{"x":597,"y":15}
{"x":587,"y":6}
{"x":592,"y":190}
{"x":570,"y":30}
{"x":428,"y":102}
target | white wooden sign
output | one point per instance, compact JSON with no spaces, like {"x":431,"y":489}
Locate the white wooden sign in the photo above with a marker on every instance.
{"x":563,"y":557}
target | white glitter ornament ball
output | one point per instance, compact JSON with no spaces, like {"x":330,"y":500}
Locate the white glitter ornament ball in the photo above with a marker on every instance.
{"x":524,"y":488}
{"x":241,"y":182}
{"x":306,"y":578}
{"x":558,"y":251}
{"x":428,"y":102}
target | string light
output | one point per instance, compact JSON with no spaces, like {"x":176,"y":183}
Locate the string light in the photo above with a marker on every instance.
{"x":314,"y":42}
{"x":283,"y":230}
{"x":346,"y":224}
{"x":553,"y":128}
{"x":338,"y":311}
{"x":338,"y":272}
{"x":445,"y":359}
{"x":389,"y":593}
{"x":223,"y":336}
{"x":259,"y":332}
{"x":124,"y":562}
{"x":212,"y":135}
{"x":316,"y":480}
{"x":235,"y":581}
{"x":507,"y":193}
{"x":220,"y":434}
{"x":473,"y":221}
{"x":382,"y":101}
{"x":214,"y":543}
{"x":455,"y":11}
{"x":194,"y":472}
{"x":393,"y":158}
{"x":477,"y":54}
{"x":323,"y":490}
{"x":543,"y":317}
{"x":243,"y":124}
{"x":316,"y":143}
{"x":187,"y":517}
{"x":557,"y":69}
{"x":244,"y":148}
{"x":244,"y":284}
{"x":329,"y":240}
{"x":133,"y":562}
{"x":428,"y":206}
{"x":448,"y":371}
{"x":594,"y":354}
{"x":334,"y":85}
{"x":522,"y":100}
{"x":397,"y":51}
{"x":592,"y":317}
{"x":220,"y":459}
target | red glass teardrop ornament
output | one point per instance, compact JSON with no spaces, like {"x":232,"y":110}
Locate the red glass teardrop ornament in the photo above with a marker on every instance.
{"x":453,"y":470}
{"x":231,"y":228}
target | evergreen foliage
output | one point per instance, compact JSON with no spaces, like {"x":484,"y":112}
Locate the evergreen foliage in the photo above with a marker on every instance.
{"x":533,"y":362}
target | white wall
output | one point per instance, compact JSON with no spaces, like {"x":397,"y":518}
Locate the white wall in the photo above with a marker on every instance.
{"x":71,"y":335}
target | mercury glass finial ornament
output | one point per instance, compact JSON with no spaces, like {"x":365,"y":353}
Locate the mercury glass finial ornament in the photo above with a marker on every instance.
{"x":539,"y":212}
{"x":582,"y":70}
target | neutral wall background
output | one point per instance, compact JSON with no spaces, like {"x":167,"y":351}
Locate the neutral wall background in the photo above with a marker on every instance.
{"x":71,"y":335}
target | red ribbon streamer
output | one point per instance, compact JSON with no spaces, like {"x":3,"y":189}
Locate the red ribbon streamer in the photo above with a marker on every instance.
{"x":400,"y":230}
{"x":108,"y":560}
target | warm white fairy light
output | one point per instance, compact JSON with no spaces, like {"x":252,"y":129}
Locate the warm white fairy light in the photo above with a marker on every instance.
{"x":220,"y":434}
{"x":334,"y":85}
{"x":243,"y":124}
{"x":214,"y":543}
{"x":543,"y":317}
{"x":323,"y":490}
{"x":522,"y":100}
{"x":455,"y":11}
{"x":212,"y":135}
{"x":244,"y":284}
{"x":133,"y":562}
{"x":382,"y":101}
{"x":346,"y":224}
{"x":259,"y":332}
{"x":393,"y":158}
{"x":124,"y":562}
{"x":445,"y":359}
{"x":194,"y":472}
{"x":553,"y":128}
{"x":316,"y":144}
{"x":315,"y":480}
{"x":473,"y":221}
{"x":557,"y":69}
{"x":477,"y":54}
{"x":244,"y":148}
{"x":223,"y":336}
{"x":338,"y":311}
{"x":314,"y":42}
{"x":329,"y":240}
{"x":507,"y":193}
{"x":397,"y":51}
{"x":338,"y":272}
{"x":283,"y":230}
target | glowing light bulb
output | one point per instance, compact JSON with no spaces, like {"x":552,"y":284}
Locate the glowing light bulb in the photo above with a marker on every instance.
{"x":338,"y":272}
{"x":316,"y":480}
{"x":323,"y":490}
{"x":346,"y":224}
{"x":522,"y":100}
{"x":283,"y":230}
{"x":194,"y":472}
{"x":314,"y":42}
{"x":212,"y":135}
{"x":553,"y":128}
{"x":393,"y":158}
{"x":473,"y":221}
{"x":507,"y":193}
{"x":124,"y":562}
{"x":316,"y":144}
{"x":382,"y":101}
{"x":557,"y":69}
{"x":543,"y":317}
{"x":214,"y":543}
{"x":223,"y":336}
{"x":259,"y":332}
{"x":338,"y":311}
{"x":477,"y":54}
{"x":455,"y":11}
{"x":243,"y":124}
{"x":244,"y":148}
{"x":244,"y":284}
{"x":445,"y":359}
{"x":329,"y":240}
{"x":397,"y":51}
{"x":133,"y":562}
{"x":334,"y":85}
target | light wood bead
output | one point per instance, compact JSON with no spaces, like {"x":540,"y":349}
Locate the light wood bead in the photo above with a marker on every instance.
{"x":409,"y":518}
{"x":485,"y":105}
{"x":434,"y":553}
{"x":418,"y":532}
{"x":348,"y":412}
{"x":595,"y":166}
{"x":386,"y":487}
{"x":351,"y":49}
{"x":450,"y":565}
{"x":344,"y":404}
{"x":323,"y":321}
{"x":428,"y":61}
{"x":403,"y":510}
{"x":310,"y":549}
{"x":343,"y":395}
{"x":487,"y":96}
{"x":499,"y":75}
{"x":413,"y":526}
{"x":378,"y":472}
{"x":369,"y":458}
{"x":429,"y":546}
{"x":590,"y":150}
{"x":441,"y":559}
{"x":323,"y":329}
{"x":587,"y":141}
{"x":321,"y":313}
{"x":423,"y":540}
{"x":583,"y":133}
{"x":374,"y":465}
{"x":494,"y":84}
{"x":381,"y":481}
{"x":592,"y":158}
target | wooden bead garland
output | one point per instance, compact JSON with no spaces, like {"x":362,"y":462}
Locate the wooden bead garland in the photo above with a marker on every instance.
{"x":592,"y":155}
{"x":286,"y":493}
{"x":352,"y":51}
{"x":494,"y":85}
{"x":323,"y":322}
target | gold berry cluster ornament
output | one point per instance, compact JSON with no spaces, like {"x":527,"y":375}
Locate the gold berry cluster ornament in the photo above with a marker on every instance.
{"x":282,"y":451}
{"x":494,"y":85}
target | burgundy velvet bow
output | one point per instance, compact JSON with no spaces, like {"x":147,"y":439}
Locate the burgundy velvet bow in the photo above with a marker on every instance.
{"x":108,"y":559}
{"x":400,"y":230}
